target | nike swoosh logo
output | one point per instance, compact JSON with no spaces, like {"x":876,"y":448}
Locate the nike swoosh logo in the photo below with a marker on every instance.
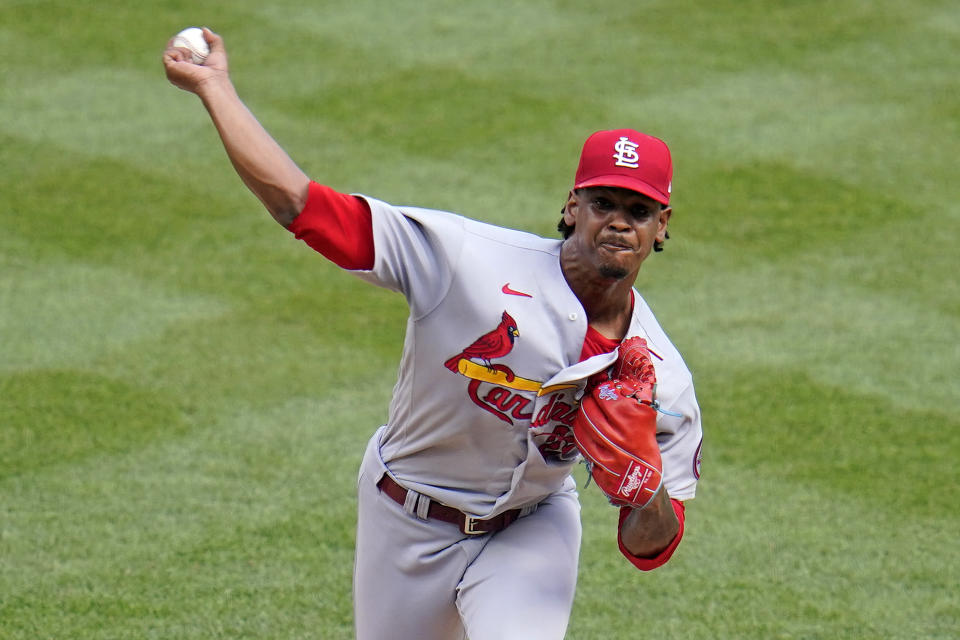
{"x":513,"y":292}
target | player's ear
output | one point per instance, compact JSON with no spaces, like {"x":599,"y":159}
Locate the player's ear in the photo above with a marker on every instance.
{"x":665,"y":213}
{"x":569,"y":210}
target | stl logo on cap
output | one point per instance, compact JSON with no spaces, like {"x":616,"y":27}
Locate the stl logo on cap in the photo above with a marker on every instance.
{"x":626,"y":153}
{"x":628,"y":159}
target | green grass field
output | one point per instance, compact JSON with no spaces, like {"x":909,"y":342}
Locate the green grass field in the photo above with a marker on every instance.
{"x":185,"y":390}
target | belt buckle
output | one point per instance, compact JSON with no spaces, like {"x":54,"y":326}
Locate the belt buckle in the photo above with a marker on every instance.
{"x":469,"y":527}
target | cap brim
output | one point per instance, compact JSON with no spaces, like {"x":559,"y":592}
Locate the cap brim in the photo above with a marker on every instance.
{"x":624,"y":182}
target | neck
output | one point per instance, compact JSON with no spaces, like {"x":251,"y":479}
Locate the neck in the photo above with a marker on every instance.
{"x":607,"y":301}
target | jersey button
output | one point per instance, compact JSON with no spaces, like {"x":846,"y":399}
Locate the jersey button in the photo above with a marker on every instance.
{"x":572,"y":316}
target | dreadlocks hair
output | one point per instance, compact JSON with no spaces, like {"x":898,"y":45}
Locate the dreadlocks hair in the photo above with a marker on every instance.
{"x":566,"y":229}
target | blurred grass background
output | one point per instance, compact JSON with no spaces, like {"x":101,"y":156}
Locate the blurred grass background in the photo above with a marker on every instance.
{"x":185,"y":390}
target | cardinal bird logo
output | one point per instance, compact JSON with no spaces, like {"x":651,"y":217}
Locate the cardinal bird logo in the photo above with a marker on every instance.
{"x":495,"y":388}
{"x":494,"y":344}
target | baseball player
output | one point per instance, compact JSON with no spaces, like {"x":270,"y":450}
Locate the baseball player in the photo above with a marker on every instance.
{"x":521,"y":354}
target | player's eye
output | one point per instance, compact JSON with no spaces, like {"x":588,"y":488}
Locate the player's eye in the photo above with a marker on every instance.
{"x":640,"y":212}
{"x":602,"y":203}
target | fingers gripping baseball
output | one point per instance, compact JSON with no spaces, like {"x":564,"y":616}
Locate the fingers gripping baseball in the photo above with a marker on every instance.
{"x":188,"y":75}
{"x":615,"y":430}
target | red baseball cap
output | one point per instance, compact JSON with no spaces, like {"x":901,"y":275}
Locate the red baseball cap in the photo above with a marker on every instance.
{"x":628,"y":159}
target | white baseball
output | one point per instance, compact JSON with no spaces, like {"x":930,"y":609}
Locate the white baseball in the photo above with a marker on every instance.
{"x":192,"y":39}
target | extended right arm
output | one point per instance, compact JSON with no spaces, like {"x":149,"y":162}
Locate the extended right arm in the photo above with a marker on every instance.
{"x":260,"y":162}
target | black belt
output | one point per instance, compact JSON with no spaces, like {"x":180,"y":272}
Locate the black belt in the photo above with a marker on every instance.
{"x":437,"y":511}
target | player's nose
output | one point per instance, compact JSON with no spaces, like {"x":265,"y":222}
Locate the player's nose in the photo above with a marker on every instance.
{"x":618,"y":220}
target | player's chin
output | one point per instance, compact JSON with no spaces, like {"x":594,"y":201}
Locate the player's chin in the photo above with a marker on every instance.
{"x":618,"y":265}
{"x":613,"y":271}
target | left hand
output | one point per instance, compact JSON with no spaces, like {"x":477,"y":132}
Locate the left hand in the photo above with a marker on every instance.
{"x":616,"y":427}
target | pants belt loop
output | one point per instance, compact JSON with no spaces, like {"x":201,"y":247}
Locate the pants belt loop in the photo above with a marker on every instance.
{"x":423,"y":506}
{"x":410,"y":503}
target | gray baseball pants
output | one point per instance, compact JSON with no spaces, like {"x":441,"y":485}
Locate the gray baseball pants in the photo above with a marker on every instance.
{"x":425,"y":580}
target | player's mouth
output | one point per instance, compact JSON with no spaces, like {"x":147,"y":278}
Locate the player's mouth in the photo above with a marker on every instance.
{"x":616,"y":247}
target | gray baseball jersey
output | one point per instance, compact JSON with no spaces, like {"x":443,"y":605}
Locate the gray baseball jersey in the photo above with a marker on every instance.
{"x":490,"y":375}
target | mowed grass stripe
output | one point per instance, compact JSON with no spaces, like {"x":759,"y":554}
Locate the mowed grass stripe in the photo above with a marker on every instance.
{"x":248,"y":470}
{"x":789,"y":426}
{"x":840,"y":336}
{"x":816,"y":123}
{"x":240,"y":524}
{"x":61,"y":315}
{"x":165,"y":139}
{"x":127,"y":116}
{"x":183,"y":379}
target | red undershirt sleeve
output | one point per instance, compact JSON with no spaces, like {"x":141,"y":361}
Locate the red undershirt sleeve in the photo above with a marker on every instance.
{"x":338,"y":226}
{"x":648,"y":564}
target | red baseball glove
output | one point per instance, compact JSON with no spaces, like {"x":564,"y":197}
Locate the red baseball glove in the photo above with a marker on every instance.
{"x":616,"y":428}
